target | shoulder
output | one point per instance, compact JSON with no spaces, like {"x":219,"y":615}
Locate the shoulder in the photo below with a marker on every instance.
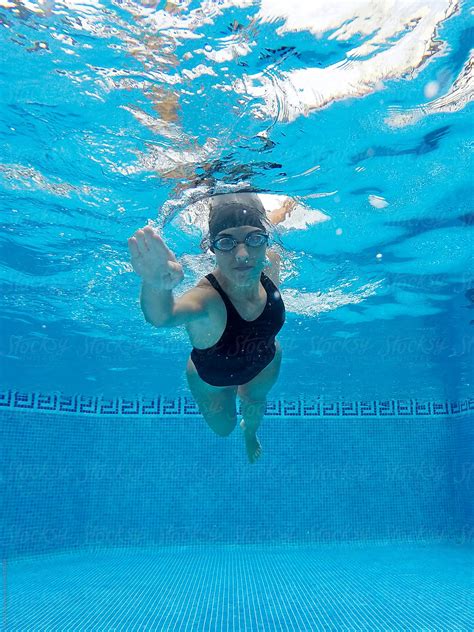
{"x":205,"y":290}
{"x":210,"y":297}
{"x":202,"y":332}
{"x":205,"y":286}
{"x":272,"y":270}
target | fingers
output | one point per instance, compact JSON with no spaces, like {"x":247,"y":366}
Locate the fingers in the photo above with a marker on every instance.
{"x":137,"y":244}
{"x":133,"y":247}
{"x":148,"y":233}
{"x":147,"y":240}
{"x":156,"y":244}
{"x":140,"y":242}
{"x":153,"y":238}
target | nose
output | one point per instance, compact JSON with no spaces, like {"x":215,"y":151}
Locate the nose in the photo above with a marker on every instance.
{"x":241,"y":253}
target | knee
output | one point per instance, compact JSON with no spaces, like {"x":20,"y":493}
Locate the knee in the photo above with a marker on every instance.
{"x":221,"y":424}
{"x":224,"y":431}
{"x":223,"y":428}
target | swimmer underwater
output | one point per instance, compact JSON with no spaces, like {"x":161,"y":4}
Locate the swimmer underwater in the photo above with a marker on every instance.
{"x":231,"y":316}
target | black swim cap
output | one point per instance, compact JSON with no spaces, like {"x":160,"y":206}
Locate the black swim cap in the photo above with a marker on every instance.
{"x":229,"y":210}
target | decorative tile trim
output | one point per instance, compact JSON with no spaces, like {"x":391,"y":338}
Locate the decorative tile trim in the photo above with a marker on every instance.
{"x":169,"y":407}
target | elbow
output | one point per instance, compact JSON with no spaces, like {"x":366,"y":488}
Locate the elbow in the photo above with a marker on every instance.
{"x":154,"y":322}
{"x":152,"y":319}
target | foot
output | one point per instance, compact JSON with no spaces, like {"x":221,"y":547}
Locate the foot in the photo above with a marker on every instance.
{"x":252,"y":444}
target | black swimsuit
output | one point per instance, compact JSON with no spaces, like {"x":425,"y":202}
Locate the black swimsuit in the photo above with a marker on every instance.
{"x":245,"y":347}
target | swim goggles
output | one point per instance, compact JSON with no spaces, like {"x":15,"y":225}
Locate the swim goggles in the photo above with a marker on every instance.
{"x":253,"y":240}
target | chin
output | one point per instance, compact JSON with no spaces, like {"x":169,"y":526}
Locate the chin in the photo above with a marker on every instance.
{"x":246,"y":277}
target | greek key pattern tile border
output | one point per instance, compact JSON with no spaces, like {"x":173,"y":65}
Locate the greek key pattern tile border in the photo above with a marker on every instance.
{"x":169,"y":407}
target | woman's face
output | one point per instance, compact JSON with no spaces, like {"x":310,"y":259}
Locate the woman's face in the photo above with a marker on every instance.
{"x":243,"y":264}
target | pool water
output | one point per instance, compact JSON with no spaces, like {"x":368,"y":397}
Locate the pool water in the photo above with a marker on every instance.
{"x":353,"y":123}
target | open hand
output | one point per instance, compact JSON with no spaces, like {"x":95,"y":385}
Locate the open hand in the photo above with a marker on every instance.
{"x":153,"y":261}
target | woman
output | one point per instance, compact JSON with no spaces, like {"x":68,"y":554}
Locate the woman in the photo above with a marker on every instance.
{"x":232,"y":315}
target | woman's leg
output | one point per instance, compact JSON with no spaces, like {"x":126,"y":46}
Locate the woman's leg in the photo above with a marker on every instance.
{"x":216,"y":403}
{"x":253,"y":397}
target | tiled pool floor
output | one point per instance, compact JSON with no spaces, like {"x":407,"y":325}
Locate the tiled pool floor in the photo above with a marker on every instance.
{"x":244,"y":588}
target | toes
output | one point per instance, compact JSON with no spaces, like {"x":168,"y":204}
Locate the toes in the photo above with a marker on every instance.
{"x":257,"y":453}
{"x":253,"y":451}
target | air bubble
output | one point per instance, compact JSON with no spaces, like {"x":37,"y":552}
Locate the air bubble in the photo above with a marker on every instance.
{"x":431,"y":89}
{"x":377,"y":201}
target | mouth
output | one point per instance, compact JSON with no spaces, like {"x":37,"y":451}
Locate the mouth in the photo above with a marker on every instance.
{"x":243,"y":268}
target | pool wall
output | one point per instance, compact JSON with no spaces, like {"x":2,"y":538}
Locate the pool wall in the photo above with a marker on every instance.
{"x":89,"y":472}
